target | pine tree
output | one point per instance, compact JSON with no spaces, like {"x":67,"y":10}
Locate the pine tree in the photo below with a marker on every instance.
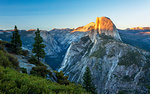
{"x":38,"y":47}
{"x":87,"y":82}
{"x":16,"y":42}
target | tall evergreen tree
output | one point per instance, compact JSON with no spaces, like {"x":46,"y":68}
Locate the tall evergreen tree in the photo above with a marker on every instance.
{"x":38,"y":47}
{"x":87,"y":82}
{"x":16,"y":41}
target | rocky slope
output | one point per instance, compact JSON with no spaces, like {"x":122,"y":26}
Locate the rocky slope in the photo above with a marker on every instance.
{"x":115,"y":66}
{"x":57,"y":42}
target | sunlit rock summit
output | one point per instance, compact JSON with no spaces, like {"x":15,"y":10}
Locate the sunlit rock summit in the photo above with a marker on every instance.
{"x":103,"y":25}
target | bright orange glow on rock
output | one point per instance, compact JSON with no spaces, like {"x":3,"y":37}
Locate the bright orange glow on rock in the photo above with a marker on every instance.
{"x":145,"y":32}
{"x":102,"y":25}
{"x":32,"y":30}
{"x":85,"y":28}
{"x":140,"y":28}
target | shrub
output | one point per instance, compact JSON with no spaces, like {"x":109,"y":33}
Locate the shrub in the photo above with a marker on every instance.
{"x":8,"y":60}
{"x":25,"y":52}
{"x":13,"y":82}
{"x":13,"y":60}
{"x":40,"y":71}
{"x":4,"y":61}
{"x":3,"y":42}
{"x":23,"y":70}
{"x":99,"y":53}
{"x":61,"y":79}
{"x":132,"y":57}
{"x":1,"y":47}
{"x":33,"y":60}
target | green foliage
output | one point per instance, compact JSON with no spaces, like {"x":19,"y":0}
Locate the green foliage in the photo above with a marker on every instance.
{"x":40,"y":71}
{"x":87,"y":82}
{"x":23,"y":70}
{"x":13,"y":82}
{"x":7,"y":60}
{"x":5,"y":46}
{"x":127,"y":78}
{"x":61,"y":79}
{"x":99,"y":53}
{"x":13,"y":60}
{"x":148,"y":87}
{"x":16,"y":42}
{"x":3,"y":42}
{"x":4,"y":60}
{"x":38,"y":47}
{"x":132,"y":57}
{"x":122,"y":92}
{"x":24,"y":52}
{"x":2,"y":45}
{"x":33,"y":60}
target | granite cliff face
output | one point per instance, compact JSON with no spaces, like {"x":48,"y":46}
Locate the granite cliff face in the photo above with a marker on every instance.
{"x":103,"y":25}
{"x":115,"y":66}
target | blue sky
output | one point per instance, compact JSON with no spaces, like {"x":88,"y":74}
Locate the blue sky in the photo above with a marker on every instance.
{"x":48,"y":14}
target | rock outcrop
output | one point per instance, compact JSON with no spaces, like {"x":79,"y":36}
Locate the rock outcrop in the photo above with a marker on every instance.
{"x":85,"y":28}
{"x":115,"y":66}
{"x":103,"y":25}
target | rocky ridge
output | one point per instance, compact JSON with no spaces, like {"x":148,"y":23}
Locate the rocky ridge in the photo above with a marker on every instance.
{"x":139,"y":28}
{"x":103,"y":25}
{"x":115,"y":66}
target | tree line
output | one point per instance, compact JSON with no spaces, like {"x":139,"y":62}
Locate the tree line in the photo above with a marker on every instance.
{"x":39,"y":53}
{"x":38,"y":46}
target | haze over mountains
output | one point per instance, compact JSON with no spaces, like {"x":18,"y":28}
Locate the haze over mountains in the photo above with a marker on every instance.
{"x":113,"y":55}
{"x":58,"y":40}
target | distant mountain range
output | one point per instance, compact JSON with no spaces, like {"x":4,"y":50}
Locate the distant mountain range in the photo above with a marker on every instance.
{"x":118,"y":59}
{"x":58,"y":41}
{"x":139,"y":28}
